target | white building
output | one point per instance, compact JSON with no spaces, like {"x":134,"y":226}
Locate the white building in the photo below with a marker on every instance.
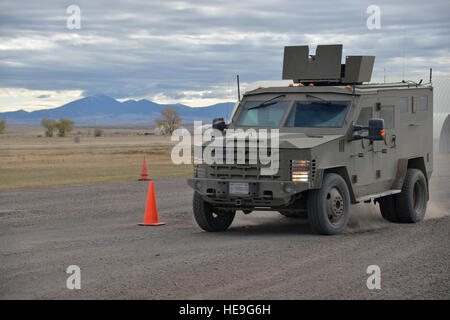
{"x":441,"y":119}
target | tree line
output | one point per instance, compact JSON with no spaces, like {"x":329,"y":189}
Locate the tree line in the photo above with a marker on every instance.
{"x":169,"y":122}
{"x":63,"y":126}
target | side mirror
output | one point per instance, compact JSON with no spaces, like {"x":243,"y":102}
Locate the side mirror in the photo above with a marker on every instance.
{"x":219,"y":124}
{"x":375,"y":128}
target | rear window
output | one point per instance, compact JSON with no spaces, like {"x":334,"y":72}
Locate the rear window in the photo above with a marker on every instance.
{"x":387,"y":113}
{"x":404,"y":105}
{"x":423,"y":103}
{"x":364,"y":116}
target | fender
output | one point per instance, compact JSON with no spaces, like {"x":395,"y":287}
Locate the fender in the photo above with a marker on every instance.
{"x":403,"y":166}
{"x":342,"y":171}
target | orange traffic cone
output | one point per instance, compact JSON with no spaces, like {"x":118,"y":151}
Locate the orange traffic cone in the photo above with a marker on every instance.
{"x":144,"y":174}
{"x":151,"y":211}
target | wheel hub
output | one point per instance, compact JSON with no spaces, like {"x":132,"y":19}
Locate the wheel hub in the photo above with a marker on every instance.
{"x":335,"y":205}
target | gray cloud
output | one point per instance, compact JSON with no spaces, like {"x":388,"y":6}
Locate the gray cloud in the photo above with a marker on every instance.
{"x":43,"y":96}
{"x":142,"y":48}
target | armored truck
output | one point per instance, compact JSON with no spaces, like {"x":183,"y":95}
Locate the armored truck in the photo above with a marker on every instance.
{"x":341,"y":141}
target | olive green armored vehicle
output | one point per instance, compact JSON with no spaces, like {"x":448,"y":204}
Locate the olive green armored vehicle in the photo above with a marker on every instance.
{"x":340,"y":142}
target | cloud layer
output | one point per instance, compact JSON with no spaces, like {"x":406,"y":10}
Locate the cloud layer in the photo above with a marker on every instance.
{"x":190,"y":52}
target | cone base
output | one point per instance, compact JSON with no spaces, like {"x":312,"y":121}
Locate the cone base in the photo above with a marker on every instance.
{"x":151,"y":224}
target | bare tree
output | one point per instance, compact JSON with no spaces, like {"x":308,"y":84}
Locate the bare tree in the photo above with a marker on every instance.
{"x":170,"y":120}
{"x":49,"y":125}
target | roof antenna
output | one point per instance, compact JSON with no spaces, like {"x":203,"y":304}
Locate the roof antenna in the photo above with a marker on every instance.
{"x":404,"y":56}
{"x":238,"y":88}
{"x":431,"y":74}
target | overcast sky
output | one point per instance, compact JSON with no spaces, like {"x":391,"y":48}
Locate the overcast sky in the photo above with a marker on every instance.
{"x":191,"y":51}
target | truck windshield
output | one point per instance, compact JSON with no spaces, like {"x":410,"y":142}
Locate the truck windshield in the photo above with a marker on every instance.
{"x":269,"y":115}
{"x":318,"y":114}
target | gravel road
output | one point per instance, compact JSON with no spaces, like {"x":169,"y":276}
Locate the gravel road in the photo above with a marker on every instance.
{"x":262,"y":256}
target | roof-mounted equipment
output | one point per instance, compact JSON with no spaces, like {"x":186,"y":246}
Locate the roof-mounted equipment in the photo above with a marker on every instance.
{"x":325,"y":68}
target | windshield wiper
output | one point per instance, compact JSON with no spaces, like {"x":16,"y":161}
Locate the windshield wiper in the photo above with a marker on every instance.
{"x":267,"y":102}
{"x":319,"y":98}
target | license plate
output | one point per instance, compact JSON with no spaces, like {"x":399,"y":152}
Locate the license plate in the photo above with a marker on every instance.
{"x":238,"y":188}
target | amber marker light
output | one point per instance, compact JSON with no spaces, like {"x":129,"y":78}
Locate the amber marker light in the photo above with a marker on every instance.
{"x":291,"y":85}
{"x":300,"y":84}
{"x":311,"y":84}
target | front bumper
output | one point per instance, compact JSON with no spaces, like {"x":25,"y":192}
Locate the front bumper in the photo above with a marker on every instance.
{"x":262,"y":193}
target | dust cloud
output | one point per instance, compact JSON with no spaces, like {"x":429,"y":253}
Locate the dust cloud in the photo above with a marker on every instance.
{"x":365,"y":217}
{"x":437,"y":210}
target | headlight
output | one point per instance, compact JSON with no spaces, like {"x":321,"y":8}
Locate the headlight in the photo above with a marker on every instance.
{"x":300,"y":170}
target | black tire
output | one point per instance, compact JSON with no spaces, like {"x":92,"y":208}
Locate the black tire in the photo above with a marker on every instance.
{"x":208,"y":219}
{"x":329,"y":206}
{"x":388,"y":208}
{"x":411,"y":203}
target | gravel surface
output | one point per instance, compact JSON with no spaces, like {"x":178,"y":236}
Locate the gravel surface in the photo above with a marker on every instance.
{"x":262,"y":256}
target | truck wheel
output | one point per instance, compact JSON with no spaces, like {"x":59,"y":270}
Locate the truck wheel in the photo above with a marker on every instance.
{"x":209,"y":219}
{"x":329,"y":206}
{"x":411,"y":203}
{"x":388,"y":209}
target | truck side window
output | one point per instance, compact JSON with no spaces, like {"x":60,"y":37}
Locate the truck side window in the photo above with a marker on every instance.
{"x":364,"y":116}
{"x":387,"y":113}
{"x":404,"y":102}
{"x":423,"y":103}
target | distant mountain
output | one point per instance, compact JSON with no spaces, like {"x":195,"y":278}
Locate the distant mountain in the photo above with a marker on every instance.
{"x":104,"y":110}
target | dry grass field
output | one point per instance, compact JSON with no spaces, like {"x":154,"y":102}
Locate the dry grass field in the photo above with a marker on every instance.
{"x":28,"y":159}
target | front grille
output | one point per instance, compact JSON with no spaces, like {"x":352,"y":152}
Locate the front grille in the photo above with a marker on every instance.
{"x":242,"y":172}
{"x":200,"y":171}
{"x":245,"y":170}
{"x":341,"y":145}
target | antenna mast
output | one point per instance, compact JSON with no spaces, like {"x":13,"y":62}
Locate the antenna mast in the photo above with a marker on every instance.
{"x":238,"y":88}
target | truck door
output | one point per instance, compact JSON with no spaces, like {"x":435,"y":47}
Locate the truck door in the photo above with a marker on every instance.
{"x":362,"y":152}
{"x":385,"y":152}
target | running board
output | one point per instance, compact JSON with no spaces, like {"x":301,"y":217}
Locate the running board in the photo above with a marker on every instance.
{"x":378,"y":195}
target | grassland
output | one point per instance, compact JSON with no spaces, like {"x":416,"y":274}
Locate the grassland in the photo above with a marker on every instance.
{"x":28,"y":159}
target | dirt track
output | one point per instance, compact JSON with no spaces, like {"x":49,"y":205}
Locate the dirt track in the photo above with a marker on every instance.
{"x":263,"y":255}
